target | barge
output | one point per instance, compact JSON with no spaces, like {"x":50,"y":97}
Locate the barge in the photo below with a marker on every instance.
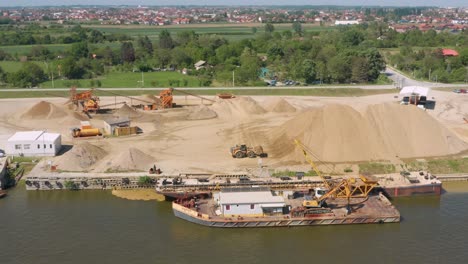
{"x":411,"y":184}
{"x":249,"y":210}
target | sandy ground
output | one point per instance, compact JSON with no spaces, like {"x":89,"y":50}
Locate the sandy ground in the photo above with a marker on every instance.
{"x":140,"y":195}
{"x":197,"y":139}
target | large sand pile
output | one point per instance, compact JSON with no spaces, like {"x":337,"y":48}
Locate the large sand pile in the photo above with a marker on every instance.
{"x":411,"y":132}
{"x":127,"y":111}
{"x":132,"y":160}
{"x":44,"y":110}
{"x":202,"y":112}
{"x":278,"y":105}
{"x":80,"y":158}
{"x":339,"y":133}
{"x":240,"y":107}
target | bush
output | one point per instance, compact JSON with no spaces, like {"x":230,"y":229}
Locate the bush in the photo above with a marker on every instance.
{"x":70,"y":185}
{"x":145,"y":180}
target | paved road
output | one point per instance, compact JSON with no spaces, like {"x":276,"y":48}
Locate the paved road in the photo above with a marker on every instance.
{"x":401,"y":80}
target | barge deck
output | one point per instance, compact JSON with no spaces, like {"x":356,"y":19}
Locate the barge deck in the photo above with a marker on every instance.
{"x":375,"y":209}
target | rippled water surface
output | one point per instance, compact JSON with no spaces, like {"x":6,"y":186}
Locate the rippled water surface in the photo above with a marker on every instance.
{"x":96,"y":227}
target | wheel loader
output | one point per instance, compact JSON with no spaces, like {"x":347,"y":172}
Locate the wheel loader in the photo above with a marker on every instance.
{"x":242,"y":151}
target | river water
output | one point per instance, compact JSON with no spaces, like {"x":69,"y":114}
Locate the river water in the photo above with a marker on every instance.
{"x":96,"y":227}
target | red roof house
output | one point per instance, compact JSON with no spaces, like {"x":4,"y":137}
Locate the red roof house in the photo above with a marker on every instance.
{"x":449,"y":52}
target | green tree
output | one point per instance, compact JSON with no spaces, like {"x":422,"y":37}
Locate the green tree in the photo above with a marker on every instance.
{"x":96,"y":36}
{"x":79,"y":50}
{"x":145,"y":44}
{"x":30,"y":75}
{"x":254,"y":30}
{"x":297,"y":27}
{"x":464,"y":56}
{"x":359,"y":70}
{"x":163,"y":57}
{"x":71,"y":70}
{"x":269,"y":28}
{"x":308,"y":71}
{"x":165,"y":40}
{"x":339,"y":69}
{"x":127,"y":52}
{"x":2,"y":75}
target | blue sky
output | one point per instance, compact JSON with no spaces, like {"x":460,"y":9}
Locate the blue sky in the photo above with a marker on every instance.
{"x":451,"y":3}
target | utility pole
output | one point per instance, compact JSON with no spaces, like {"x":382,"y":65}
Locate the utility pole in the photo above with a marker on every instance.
{"x":233,"y":83}
{"x":429,"y":74}
{"x":142,"y":80}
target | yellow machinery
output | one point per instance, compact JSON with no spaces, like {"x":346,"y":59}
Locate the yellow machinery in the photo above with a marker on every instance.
{"x":86,"y":99}
{"x":242,"y":151}
{"x":86,"y":130}
{"x":346,"y":188}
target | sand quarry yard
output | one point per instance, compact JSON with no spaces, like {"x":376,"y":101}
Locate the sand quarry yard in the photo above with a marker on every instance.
{"x":197,"y":138}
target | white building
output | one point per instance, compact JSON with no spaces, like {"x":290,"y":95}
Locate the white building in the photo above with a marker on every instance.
{"x":34,"y":143}
{"x":252,"y":201}
{"x":346,"y":22}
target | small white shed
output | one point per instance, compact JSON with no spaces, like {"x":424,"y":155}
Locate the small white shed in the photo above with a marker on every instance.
{"x":34,"y":143}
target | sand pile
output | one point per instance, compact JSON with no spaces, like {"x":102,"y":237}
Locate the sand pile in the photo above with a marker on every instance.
{"x":80,"y":158}
{"x":411,"y":132}
{"x":240,"y":107}
{"x":339,"y":133}
{"x":132,"y":160}
{"x":44,"y":110}
{"x":202,"y":112}
{"x":278,"y":105}
{"x":127,"y":111}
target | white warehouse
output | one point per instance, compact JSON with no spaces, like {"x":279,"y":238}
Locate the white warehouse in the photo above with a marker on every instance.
{"x":252,"y":201}
{"x":34,"y":143}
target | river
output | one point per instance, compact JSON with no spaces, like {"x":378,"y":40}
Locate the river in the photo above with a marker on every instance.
{"x":96,"y":227}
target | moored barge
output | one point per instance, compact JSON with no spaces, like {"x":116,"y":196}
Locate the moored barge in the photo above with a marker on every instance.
{"x":251,"y":210}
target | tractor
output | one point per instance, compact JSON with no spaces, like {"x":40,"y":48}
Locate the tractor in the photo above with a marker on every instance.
{"x":242,"y":151}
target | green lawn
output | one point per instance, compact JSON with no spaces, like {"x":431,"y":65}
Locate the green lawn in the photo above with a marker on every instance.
{"x":13,"y":66}
{"x":331,"y":92}
{"x":229,"y":31}
{"x":128,"y":80}
{"x":26,"y":49}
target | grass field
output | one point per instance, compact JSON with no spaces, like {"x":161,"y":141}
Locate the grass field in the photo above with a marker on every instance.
{"x":228,"y":31}
{"x":331,"y":92}
{"x":26,"y":49}
{"x":446,"y":165}
{"x":13,"y":66}
{"x":128,"y":80}
{"x":376,"y":168}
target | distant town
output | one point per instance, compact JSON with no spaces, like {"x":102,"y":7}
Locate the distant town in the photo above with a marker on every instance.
{"x":400,"y":18}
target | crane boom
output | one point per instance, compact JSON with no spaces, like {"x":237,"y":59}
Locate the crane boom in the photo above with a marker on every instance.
{"x":312,"y":164}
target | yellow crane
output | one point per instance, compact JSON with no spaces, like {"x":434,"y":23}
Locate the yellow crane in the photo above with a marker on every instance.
{"x":346,"y":188}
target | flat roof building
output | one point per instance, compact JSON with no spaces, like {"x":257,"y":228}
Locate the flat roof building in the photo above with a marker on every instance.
{"x":111,"y":123}
{"x":252,"y":201}
{"x":34,"y":143}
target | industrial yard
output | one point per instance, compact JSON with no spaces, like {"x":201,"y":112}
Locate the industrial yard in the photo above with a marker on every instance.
{"x":195,"y":136}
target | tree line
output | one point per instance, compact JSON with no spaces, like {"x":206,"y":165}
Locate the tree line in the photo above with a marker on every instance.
{"x":346,"y":54}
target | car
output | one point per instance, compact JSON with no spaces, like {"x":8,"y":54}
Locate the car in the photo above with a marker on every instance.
{"x":462,"y":90}
{"x":456,"y":91}
{"x":2,"y":153}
